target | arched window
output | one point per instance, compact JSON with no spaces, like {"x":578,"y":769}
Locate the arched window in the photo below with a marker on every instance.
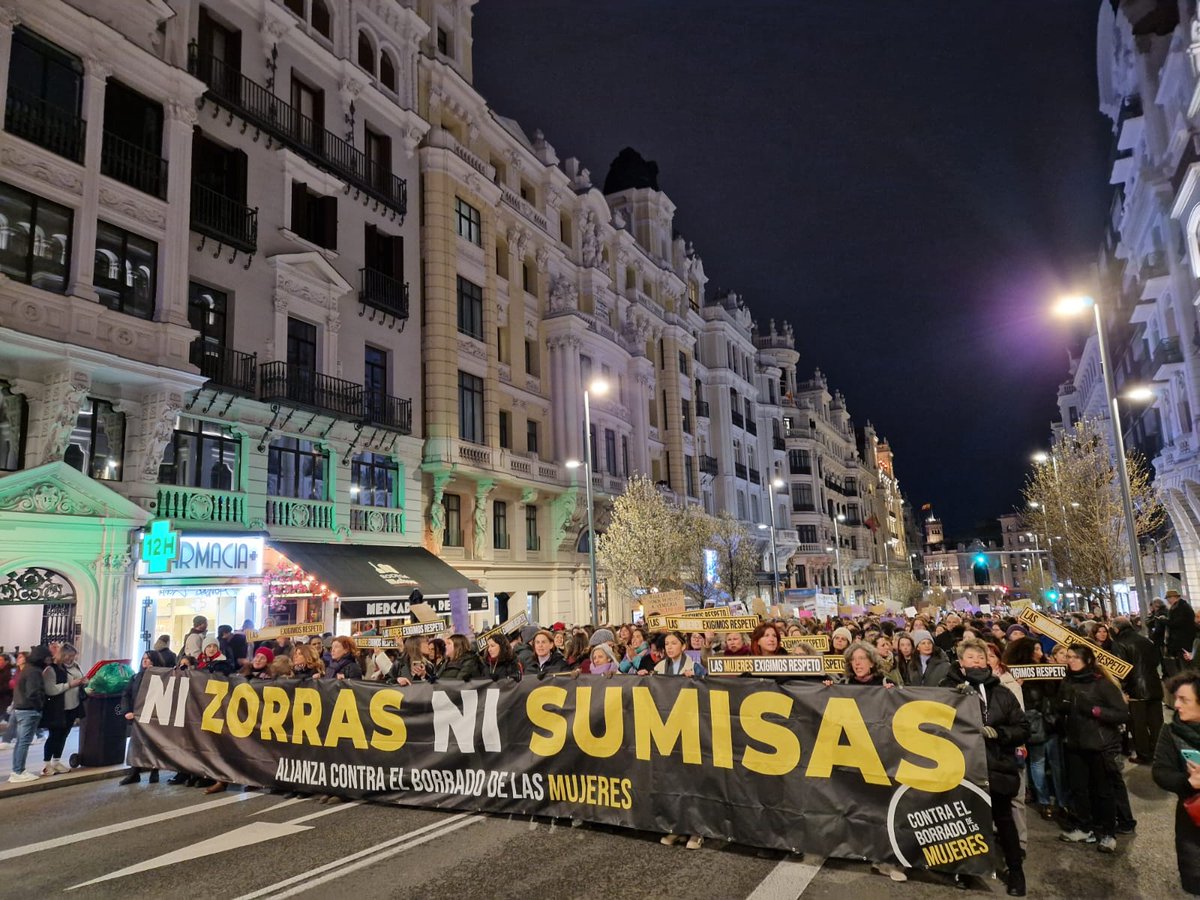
{"x":366,"y":53}
{"x":321,"y":20}
{"x":387,"y":71}
{"x":295,"y":6}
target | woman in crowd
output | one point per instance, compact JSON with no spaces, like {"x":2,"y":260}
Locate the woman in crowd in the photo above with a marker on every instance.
{"x":343,"y":663}
{"x":1180,"y":774}
{"x":863,"y":669}
{"x":735,"y":644}
{"x":1004,"y":730}
{"x":259,"y":667}
{"x":29,"y":698}
{"x":1040,"y":699}
{"x":677,"y":662}
{"x":546,"y":658}
{"x":1093,"y":710}
{"x":498,"y":659}
{"x":213,"y":661}
{"x":151,"y":659}
{"x":577,"y":651}
{"x":63,"y":682}
{"x":765,"y":641}
{"x":604,"y":661}
{"x":841,"y":639}
{"x":635,"y":649}
{"x":624,"y":635}
{"x":698,"y":647}
{"x":461,"y":663}
{"x":1000,"y":670}
{"x":906,"y":651}
{"x":929,"y":666}
{"x":888,"y":663}
{"x":1102,"y":637}
{"x":306,"y":663}
{"x":413,"y":665}
{"x":281,"y":667}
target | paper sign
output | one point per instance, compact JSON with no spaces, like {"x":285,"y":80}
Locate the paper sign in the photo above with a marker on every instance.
{"x":1047,"y":626}
{"x":893,"y":606}
{"x":664,"y":603}
{"x":804,"y":614}
{"x":460,"y":607}
{"x":1018,"y":605}
{"x":693,"y":624}
{"x":819,"y":642}
{"x":835,"y":665}
{"x":423,"y":612}
{"x":878,"y":609}
{"x":910,"y":611}
{"x":795,"y":666}
{"x":1038,"y":673}
{"x":266,"y":634}
{"x":985,"y":608}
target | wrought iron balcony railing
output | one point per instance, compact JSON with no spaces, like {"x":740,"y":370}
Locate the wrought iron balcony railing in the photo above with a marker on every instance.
{"x":133,"y":165}
{"x":383,"y":292}
{"x":279,"y":383}
{"x":225,"y":367}
{"x":59,"y":130}
{"x":224,"y":219}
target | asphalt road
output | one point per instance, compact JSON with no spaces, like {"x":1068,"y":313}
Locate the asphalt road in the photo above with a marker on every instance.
{"x":103,"y":840}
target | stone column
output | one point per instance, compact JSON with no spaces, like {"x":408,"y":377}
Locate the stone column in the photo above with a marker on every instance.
{"x":8,"y":21}
{"x":83,"y":249}
{"x":173,"y":269}
{"x":110,"y":623}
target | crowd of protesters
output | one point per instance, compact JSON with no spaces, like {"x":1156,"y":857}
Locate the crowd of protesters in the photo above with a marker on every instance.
{"x":1059,"y":744}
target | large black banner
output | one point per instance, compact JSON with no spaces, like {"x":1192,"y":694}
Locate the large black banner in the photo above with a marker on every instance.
{"x":837,"y":771}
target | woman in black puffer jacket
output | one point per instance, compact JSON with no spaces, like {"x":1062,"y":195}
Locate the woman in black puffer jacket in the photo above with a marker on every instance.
{"x":1004,"y":730}
{"x":1175,"y":773}
{"x":1093,"y":711}
{"x":460,"y":662}
{"x":150,"y":660}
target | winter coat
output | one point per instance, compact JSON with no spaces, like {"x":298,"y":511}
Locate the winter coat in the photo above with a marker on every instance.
{"x":461,"y":668}
{"x":193,"y":643}
{"x":64,"y":704}
{"x":347,"y":666}
{"x":1156,"y":628}
{"x":499,"y":670}
{"x":689,"y":669}
{"x":1170,"y":774}
{"x":30,"y":690}
{"x":1181,"y":627}
{"x":7,"y":683}
{"x":1081,"y":694}
{"x":936,"y":671}
{"x":523,"y":654}
{"x":947,"y":640}
{"x":169,"y":659}
{"x":891,"y":668}
{"x":879,"y":679}
{"x":630,"y":665}
{"x":403,"y":668}
{"x":236,"y":648}
{"x":1144,"y":682}
{"x":1001,"y":712}
{"x":555,"y":662}
{"x":129,"y":694}
{"x":217,"y":665}
{"x":1041,"y":709}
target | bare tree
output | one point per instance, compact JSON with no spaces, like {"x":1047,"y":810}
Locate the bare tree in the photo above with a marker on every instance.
{"x":1075,"y":498}
{"x":738,"y":558}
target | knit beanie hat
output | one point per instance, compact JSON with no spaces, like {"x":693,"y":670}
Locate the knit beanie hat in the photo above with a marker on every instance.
{"x":843,"y":632}
{"x":267,"y":652}
{"x":601,"y":636}
{"x":921,"y":635}
{"x":1017,"y":631}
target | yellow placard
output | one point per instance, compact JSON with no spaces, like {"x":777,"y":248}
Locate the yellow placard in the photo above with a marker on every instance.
{"x":305,"y":628}
{"x":819,"y":642}
{"x":690,"y":623}
{"x":1063,"y":635}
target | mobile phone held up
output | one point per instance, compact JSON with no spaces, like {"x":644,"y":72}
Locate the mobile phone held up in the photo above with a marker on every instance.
{"x":1192,"y":756}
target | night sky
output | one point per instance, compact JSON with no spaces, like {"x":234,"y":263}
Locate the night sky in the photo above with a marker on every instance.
{"x":910,"y":184}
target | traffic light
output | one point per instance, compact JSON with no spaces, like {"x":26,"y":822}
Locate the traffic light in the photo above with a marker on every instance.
{"x":1052,"y":596}
{"x":981,"y":559}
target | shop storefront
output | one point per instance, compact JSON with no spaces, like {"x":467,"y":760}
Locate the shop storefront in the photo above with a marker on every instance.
{"x":66,"y":569}
{"x":183,"y":575}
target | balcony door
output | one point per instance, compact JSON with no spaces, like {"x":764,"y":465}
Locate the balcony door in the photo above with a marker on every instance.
{"x":375,"y":383}
{"x":220,"y":54}
{"x":308,"y":105}
{"x":208,"y":315}
{"x":301,"y":361}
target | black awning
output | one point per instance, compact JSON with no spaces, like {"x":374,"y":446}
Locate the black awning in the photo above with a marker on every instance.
{"x":375,"y":582}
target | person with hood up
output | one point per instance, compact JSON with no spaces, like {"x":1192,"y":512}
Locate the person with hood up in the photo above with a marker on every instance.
{"x":1180,"y":774}
{"x":598,"y":637}
{"x":151,"y":659}
{"x":1004,"y":730}
{"x":521,"y":649}
{"x":64,"y":683}
{"x":547,"y":660}
{"x":29,"y":697}
{"x":929,"y":666}
{"x":1093,"y":711}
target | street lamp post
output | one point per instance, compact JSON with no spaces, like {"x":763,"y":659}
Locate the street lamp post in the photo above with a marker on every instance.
{"x":837,"y":548}
{"x":1072,"y":305}
{"x":599,"y":388}
{"x":773,"y":485}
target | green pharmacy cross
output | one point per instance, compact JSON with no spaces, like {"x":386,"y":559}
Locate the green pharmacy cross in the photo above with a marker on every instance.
{"x":160,"y":546}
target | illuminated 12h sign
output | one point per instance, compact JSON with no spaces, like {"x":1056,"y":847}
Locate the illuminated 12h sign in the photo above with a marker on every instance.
{"x":160,"y":547}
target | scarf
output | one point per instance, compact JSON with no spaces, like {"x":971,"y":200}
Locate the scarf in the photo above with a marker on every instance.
{"x":1188,"y":732}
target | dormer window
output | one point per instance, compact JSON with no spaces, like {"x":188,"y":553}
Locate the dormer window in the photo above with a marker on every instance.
{"x":315,"y":13}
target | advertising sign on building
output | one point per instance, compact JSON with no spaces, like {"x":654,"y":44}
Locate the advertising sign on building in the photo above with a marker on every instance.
{"x":207,"y":556}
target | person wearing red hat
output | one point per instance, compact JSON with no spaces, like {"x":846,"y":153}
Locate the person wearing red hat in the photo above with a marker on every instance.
{"x":259,"y":666}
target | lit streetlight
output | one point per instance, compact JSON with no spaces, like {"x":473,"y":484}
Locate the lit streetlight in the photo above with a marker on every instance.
{"x":1077,"y":305}
{"x":599,"y":387}
{"x":837,"y":549}
{"x":773,"y":485}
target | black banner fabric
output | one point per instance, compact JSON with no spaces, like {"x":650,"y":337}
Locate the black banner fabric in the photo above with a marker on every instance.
{"x":864,"y":772}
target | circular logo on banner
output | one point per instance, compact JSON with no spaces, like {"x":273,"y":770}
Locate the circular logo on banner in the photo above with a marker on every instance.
{"x":931,"y":830}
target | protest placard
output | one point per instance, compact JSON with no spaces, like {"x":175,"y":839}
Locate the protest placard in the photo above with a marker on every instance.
{"x":664,"y":603}
{"x":786,"y":666}
{"x":1063,"y":635}
{"x":690,"y":623}
{"x":1038,"y":673}
{"x":819,"y":642}
{"x":417,"y":629}
{"x":516,"y":623}
{"x":275,"y":631}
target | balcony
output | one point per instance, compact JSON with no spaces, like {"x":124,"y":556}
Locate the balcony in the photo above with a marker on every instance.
{"x":383,"y":292}
{"x":802,"y":507}
{"x":708,"y":465}
{"x":1190,"y":155}
{"x":189,"y":504}
{"x":286,"y":512}
{"x":755,"y":476}
{"x":779,"y":443}
{"x":702,"y":409}
{"x":737,"y":419}
{"x":56,"y":129}
{"x":739,"y":469}
{"x":133,"y":165}
{"x":1167,"y":353}
{"x":262,"y":109}
{"x":376,"y":520}
{"x":751,"y":427}
{"x":224,"y":367}
{"x":224,"y":219}
{"x":336,"y":396}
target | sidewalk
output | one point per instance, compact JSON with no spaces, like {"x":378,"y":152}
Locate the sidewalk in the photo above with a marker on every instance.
{"x":33,"y":763}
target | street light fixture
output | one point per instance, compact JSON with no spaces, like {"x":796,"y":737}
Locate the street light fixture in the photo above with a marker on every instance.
{"x":599,"y":387}
{"x":1073,"y":306}
{"x":773,"y":485}
{"x":837,"y":539}
{"x":1140,"y":394}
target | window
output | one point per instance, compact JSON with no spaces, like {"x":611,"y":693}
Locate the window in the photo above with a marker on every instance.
{"x":754,"y":509}
{"x":208,"y":311}
{"x":321,"y":20}
{"x":470,"y":309}
{"x":221,"y":170}
{"x":625,"y":456}
{"x":387,"y":71}
{"x":683,"y":363}
{"x":443,"y":41}
{"x":295,"y":6}
{"x":97,"y":442}
{"x":366,"y":53}
{"x":452,"y":504}
{"x":14,"y":419}
{"x":301,"y":360}
{"x":379,"y":158}
{"x":375,"y":383}
{"x":470,"y":226}
{"x":532,"y":539}
{"x":610,"y":451}
{"x":500,"y":525}
{"x":585,"y":369}
{"x":687,"y":416}
{"x":800,"y":462}
{"x":126,"y":273}
{"x":807,"y":534}
{"x":35,"y":239}
{"x":689,"y":476}
{"x":373,"y":480}
{"x":528,"y":282}
{"x":595,"y":453}
{"x":132,"y":141}
{"x":201,"y":454}
{"x":45,"y":95}
{"x":470,"y":407}
{"x":308,"y":122}
{"x":296,"y":468}
{"x":531,"y":436}
{"x":314,"y":217}
{"x":220,"y":44}
{"x":531,"y":359}
{"x":505,"y":432}
{"x":384,"y":253}
{"x":802,"y":497}
{"x":741,"y":505}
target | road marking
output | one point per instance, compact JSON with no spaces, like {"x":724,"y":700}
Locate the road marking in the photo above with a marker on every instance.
{"x":787,"y":881}
{"x":325,"y":812}
{"x":362,"y":858}
{"x":78,"y":836}
{"x":254,"y":833}
{"x":291,"y":802}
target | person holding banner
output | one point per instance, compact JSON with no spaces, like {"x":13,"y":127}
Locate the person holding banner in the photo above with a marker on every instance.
{"x":547,"y":660}
{"x":498,"y":659}
{"x":460,"y":663}
{"x":765,"y":641}
{"x":1093,"y":710}
{"x":929,"y":668}
{"x":676,"y":662}
{"x":887,"y":658}
{"x":1177,"y":769}
{"x":1041,"y":711}
{"x":1005,"y":728}
{"x":841,"y":639}
{"x":306,"y":663}
{"x":735,"y":644}
{"x":863,"y":669}
{"x":343,"y":660}
{"x":634,"y":649}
